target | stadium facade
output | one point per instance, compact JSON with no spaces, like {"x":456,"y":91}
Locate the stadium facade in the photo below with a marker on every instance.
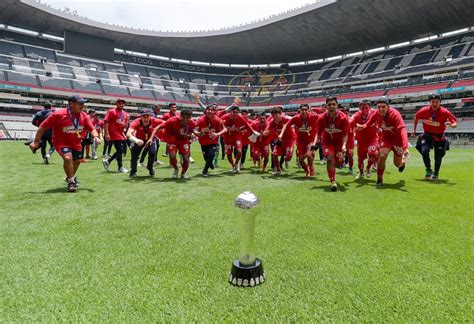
{"x":352,"y":49}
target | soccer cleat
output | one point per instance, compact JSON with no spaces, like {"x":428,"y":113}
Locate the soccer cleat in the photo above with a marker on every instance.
{"x":333,"y":186}
{"x":132,"y":174}
{"x":205,"y":174}
{"x":164,"y":155}
{"x":359,"y":175}
{"x":75,"y":180}
{"x":191,"y":160}
{"x":72,"y":186}
{"x":435,"y":176}
{"x":401,"y":168}
{"x":276,"y":173}
{"x":237,"y":168}
{"x":46,"y":160}
{"x":287,"y":165}
{"x":368,"y":172}
{"x":351,"y":171}
{"x":151,"y":172}
{"x":428,"y":174}
{"x":185,"y":176}
{"x":88,"y":157}
{"x":106,"y":164}
{"x":379,"y":182}
{"x":175,"y":173}
{"x":122,"y":170}
{"x":157,"y":162}
{"x":321,"y":162}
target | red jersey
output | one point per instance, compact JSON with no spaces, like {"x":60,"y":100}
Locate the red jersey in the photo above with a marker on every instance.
{"x":275,"y":129}
{"x":98,"y":125}
{"x":306,"y":128}
{"x":65,"y":134}
{"x":221,"y":113}
{"x":318,"y":110}
{"x":367,"y":134}
{"x":333,"y":129}
{"x":246,"y":132}
{"x":169,"y":115}
{"x":144,"y":132}
{"x":176,"y":132}
{"x":208,"y":126}
{"x":392,"y":125}
{"x":235,"y":126}
{"x":260,"y":127}
{"x":434,"y":121}
{"x":118,"y":122}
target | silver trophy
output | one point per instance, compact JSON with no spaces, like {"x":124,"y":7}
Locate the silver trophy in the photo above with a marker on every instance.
{"x":247,"y":270}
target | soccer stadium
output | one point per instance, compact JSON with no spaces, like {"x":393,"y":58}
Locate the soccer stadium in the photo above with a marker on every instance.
{"x":129,"y":239}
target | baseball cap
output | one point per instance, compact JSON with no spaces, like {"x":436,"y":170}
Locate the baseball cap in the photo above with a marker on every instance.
{"x":434,"y":96}
{"x":146,"y":111}
{"x":77,"y":98}
{"x":47,"y":104}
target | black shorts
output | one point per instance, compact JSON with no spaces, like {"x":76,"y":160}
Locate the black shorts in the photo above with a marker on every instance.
{"x":76,"y":155}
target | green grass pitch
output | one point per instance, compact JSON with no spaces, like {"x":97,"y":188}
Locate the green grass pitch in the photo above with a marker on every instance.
{"x":143,"y":249}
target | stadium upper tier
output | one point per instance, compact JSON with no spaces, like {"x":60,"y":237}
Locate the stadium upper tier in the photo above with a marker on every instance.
{"x":322,"y":29}
{"x":39,"y":63}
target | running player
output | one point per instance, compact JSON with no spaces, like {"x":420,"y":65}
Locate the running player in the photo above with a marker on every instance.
{"x":115,"y":122}
{"x":306,"y":123}
{"x":434,"y":118}
{"x":38,"y":118}
{"x":394,"y":137}
{"x":67,"y":125}
{"x":333,"y":129}
{"x":367,"y":138}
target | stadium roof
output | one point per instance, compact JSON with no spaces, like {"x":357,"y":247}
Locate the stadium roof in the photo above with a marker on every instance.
{"x":320,"y":30}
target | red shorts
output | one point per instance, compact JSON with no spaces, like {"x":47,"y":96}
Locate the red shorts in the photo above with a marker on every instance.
{"x":181,"y":148}
{"x":367,"y":149}
{"x":334,"y":150}
{"x":232,"y":143}
{"x":395,"y":146}
{"x":350,"y":143}
{"x":302,"y":148}
{"x":259,"y":150}
{"x":285,"y":148}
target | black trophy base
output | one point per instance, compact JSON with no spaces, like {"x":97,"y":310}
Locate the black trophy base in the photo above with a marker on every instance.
{"x":246,"y":276}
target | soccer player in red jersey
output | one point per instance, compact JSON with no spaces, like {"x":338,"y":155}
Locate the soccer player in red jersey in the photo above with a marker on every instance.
{"x":350,"y":143}
{"x":139,"y":133}
{"x":434,"y":118}
{"x":394,"y":137}
{"x":367,"y":138}
{"x":245,"y":138}
{"x":115,"y":122}
{"x":284,"y":143}
{"x":67,"y":125}
{"x":320,"y":110}
{"x":333,"y":129}
{"x":306,"y":124}
{"x":208,"y":129}
{"x":260,"y":148}
{"x":235,"y":124}
{"x":178,"y":131}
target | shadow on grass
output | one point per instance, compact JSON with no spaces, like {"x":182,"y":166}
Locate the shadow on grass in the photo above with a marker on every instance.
{"x":364,"y":182}
{"x":393,"y":186}
{"x":327,"y":187}
{"x":438,"y":182}
{"x":60,"y":190}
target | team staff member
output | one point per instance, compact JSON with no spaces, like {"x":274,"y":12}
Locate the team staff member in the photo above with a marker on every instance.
{"x":38,"y":118}
{"x":393,"y":137}
{"x":67,"y":125}
{"x":434,"y":118}
{"x":367,"y":138}
{"x":178,"y":131}
{"x":333,"y":129}
{"x":208,"y":129}
{"x":115,"y":122}
{"x":139,"y":133}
